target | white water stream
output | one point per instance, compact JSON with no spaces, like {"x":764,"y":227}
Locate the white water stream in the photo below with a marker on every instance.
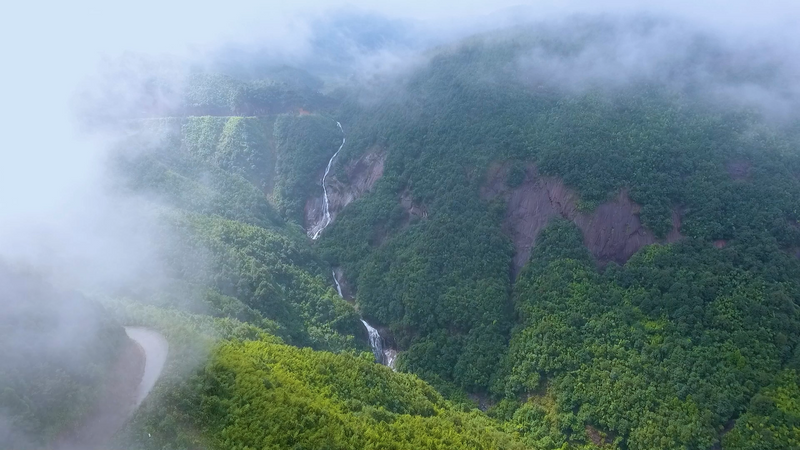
{"x":326,"y":220}
{"x":383,"y":355}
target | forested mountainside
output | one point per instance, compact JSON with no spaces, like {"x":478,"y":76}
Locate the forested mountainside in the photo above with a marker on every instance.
{"x":559,"y":261}
{"x":616,"y":261}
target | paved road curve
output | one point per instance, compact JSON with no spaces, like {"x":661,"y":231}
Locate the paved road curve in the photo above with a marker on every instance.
{"x":124,"y":391}
{"x":155,"y":351}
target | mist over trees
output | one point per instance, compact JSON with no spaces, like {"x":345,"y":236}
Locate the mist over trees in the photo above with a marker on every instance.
{"x":207,"y":164}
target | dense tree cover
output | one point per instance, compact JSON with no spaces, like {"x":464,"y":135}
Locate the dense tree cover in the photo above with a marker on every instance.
{"x":222,"y":95}
{"x":444,"y":289}
{"x":253,"y":391}
{"x":440,"y":282}
{"x":271,"y":272}
{"x":243,"y":263}
{"x":173,"y":161}
{"x":242,"y":145}
{"x":664,"y":146}
{"x":164,"y":420}
{"x":669,"y":150}
{"x":685,"y":346}
{"x":56,"y":349}
{"x":304,"y":146}
{"x":772,"y":420}
{"x":662,"y":352}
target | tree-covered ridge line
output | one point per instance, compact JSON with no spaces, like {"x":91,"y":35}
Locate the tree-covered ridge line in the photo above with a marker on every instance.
{"x":432,"y":157}
{"x":221,"y":95}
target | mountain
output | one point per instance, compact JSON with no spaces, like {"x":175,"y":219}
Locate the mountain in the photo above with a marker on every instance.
{"x":571,"y":235}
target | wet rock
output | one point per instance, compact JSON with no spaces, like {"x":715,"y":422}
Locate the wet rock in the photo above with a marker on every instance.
{"x":361,"y":177}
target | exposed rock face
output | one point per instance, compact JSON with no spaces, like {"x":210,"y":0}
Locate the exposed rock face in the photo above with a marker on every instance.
{"x":412,"y":209}
{"x":344,"y":286}
{"x":598,"y":437}
{"x":612,"y":232}
{"x":361,"y":178}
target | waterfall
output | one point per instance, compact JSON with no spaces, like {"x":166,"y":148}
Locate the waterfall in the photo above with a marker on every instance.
{"x":382,"y":356}
{"x":375,"y":341}
{"x":338,"y":286}
{"x":326,"y":220}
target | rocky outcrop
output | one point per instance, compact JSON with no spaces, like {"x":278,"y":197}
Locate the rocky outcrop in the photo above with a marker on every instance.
{"x":343,"y":286}
{"x":360,"y":177}
{"x":599,"y":438}
{"x":612,"y":232}
{"x":412,"y":209}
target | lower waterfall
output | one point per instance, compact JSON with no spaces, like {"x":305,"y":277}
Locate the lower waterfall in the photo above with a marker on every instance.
{"x":385,"y":356}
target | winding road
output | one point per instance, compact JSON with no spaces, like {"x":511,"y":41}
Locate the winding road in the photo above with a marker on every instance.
{"x":130,"y":381}
{"x":155,"y":349}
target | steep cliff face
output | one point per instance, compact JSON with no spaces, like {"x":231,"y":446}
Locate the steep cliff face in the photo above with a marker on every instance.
{"x":360,"y":178}
{"x":612,"y":232}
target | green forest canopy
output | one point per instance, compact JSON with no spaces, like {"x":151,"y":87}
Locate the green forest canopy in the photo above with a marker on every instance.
{"x":687,"y":345}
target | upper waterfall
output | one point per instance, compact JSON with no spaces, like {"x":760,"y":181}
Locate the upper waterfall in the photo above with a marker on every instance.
{"x":317,"y":230}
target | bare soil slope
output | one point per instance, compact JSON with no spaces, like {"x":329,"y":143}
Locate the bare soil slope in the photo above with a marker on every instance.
{"x":612,"y":232}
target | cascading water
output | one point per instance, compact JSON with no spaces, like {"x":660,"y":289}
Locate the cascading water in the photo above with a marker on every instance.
{"x":338,"y":286}
{"x":383,"y":355}
{"x":326,"y":220}
{"x":375,"y":341}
